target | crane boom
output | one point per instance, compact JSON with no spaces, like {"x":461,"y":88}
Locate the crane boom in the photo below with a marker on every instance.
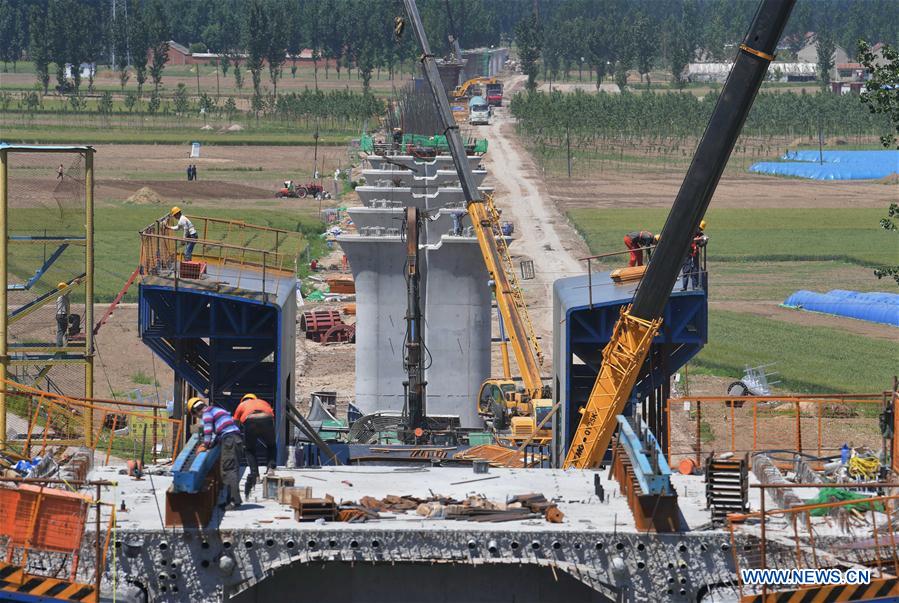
{"x":626,"y":352}
{"x":507,"y":297}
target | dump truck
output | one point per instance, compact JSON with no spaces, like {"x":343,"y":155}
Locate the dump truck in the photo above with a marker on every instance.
{"x":494,"y":94}
{"x":478,"y":111}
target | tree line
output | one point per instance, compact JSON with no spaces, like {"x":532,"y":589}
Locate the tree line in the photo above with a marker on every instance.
{"x":553,"y":117}
{"x":602,"y":37}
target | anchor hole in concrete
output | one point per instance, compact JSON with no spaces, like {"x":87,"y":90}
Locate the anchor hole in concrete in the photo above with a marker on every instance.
{"x":205,"y":563}
{"x":227,"y":544}
{"x":269,"y":542}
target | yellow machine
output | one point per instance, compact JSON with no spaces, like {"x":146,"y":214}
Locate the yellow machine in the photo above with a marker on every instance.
{"x":516,"y":412}
{"x":513,"y":410}
{"x":463,"y":90}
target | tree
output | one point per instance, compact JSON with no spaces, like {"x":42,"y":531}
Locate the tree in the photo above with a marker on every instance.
{"x":179,"y":98}
{"x":680,"y":55}
{"x":9,"y":38}
{"x":278,"y":35}
{"x":880,"y":95}
{"x":39,"y":48}
{"x":256,"y":40}
{"x":528,"y":39}
{"x":825,"y":47}
{"x":158,"y":38}
{"x":644,"y":46}
{"x":139,"y":44}
{"x":56,"y":30}
{"x":119,"y":38}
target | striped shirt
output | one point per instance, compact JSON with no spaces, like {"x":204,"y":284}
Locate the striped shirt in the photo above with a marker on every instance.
{"x":217,"y":423}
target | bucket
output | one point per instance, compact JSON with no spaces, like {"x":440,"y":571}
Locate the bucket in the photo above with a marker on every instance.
{"x":687,"y":467}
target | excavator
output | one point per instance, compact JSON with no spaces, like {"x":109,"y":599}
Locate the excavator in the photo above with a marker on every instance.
{"x":464,"y":90}
{"x":517,"y":412}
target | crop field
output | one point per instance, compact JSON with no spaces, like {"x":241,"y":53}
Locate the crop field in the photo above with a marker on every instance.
{"x":758,"y":257}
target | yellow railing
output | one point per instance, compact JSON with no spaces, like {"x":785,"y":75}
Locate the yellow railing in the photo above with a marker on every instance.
{"x":249,"y":252}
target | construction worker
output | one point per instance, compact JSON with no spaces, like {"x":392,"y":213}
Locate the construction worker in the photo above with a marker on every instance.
{"x":397,"y":136}
{"x":635,"y":242}
{"x":691,"y":268}
{"x":62,"y":314}
{"x":189,"y":231}
{"x":257,"y":419}
{"x":219,"y":429}
{"x":60,"y":172}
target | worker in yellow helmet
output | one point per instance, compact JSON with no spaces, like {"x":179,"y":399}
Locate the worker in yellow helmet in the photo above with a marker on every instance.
{"x":220,"y":429}
{"x":692,"y":267}
{"x":190,"y":233}
{"x":257,"y":419}
{"x":62,"y":314}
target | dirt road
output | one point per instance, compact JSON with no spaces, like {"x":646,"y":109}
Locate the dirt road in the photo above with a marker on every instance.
{"x":542,"y":234}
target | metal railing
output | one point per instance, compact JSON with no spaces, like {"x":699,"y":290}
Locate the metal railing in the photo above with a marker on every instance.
{"x":739,"y":424}
{"x":702,"y":276}
{"x":883,"y":552}
{"x":117,"y":427}
{"x":250,"y":256}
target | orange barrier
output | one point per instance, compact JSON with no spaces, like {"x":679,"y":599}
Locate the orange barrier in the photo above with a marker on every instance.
{"x":43,"y":519}
{"x":699,"y":425}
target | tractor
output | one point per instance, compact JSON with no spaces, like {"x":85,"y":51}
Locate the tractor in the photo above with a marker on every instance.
{"x":291,"y":189}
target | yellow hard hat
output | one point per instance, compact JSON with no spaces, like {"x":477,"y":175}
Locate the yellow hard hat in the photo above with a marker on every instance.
{"x":657,"y":238}
{"x":192,"y":403}
{"x":249,"y":397}
{"x":61,"y":286}
{"x":702,"y":225}
{"x":175,"y":210}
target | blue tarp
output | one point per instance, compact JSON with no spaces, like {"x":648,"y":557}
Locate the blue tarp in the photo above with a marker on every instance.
{"x":838,"y":165}
{"x":874,"y":307}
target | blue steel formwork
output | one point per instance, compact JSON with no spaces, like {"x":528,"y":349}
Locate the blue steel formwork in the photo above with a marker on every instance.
{"x":226,"y":335}
{"x":585,"y":310}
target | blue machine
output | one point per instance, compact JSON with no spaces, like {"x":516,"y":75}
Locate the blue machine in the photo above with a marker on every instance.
{"x":647,"y":460}
{"x":585,"y":310}
{"x":225,"y":335}
{"x":191,"y":467}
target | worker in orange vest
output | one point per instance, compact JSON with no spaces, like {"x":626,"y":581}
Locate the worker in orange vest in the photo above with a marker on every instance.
{"x":257,"y":419}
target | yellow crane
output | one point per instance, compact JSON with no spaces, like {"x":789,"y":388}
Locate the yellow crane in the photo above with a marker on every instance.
{"x":624,"y":355}
{"x":516,"y":410}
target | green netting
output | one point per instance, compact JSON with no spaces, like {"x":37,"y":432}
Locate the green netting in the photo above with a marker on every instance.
{"x":827,"y":495}
{"x":367,"y":143}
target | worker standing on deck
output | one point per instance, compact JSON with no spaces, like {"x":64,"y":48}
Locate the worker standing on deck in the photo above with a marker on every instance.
{"x":635,"y":242}
{"x":62,"y":314}
{"x":691,"y":267}
{"x":219,"y":429}
{"x":258,"y":421}
{"x":189,"y":231}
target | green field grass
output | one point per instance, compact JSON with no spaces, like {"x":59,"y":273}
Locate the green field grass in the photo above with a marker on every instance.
{"x":98,"y":134}
{"x":765,"y":255}
{"x":758,"y":235}
{"x":808,"y":359}
{"x":117,"y":248}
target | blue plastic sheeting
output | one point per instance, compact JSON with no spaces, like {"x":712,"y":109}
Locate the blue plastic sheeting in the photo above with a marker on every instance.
{"x":874,"y":307}
{"x":838,"y":165}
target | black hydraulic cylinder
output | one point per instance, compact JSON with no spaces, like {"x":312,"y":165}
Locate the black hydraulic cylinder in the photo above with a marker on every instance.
{"x":711,"y":157}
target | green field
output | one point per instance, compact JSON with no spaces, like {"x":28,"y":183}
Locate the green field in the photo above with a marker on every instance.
{"x":808,"y":359}
{"x":758,"y":235}
{"x":765,"y":255}
{"x":99,"y":134}
{"x":117,"y":248}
